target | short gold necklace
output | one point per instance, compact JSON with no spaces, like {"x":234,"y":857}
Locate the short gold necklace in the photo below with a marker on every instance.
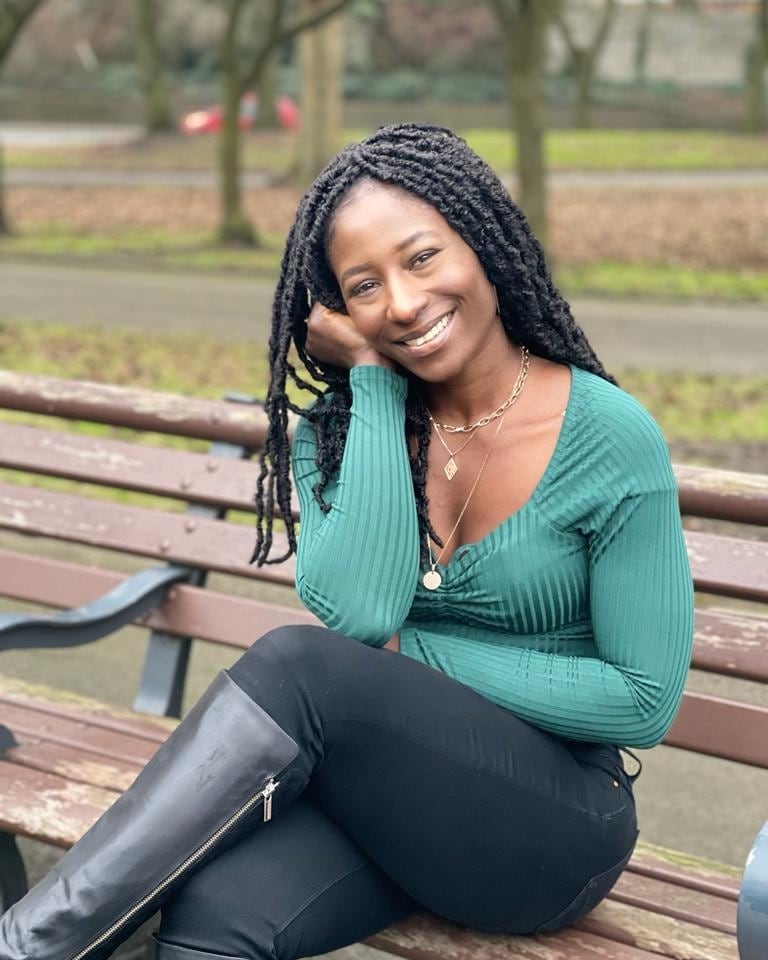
{"x":432,"y":579}
{"x":451,"y":468}
{"x":484,"y":421}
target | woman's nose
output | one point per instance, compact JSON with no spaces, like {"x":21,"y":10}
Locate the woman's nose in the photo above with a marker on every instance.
{"x":406,"y":298}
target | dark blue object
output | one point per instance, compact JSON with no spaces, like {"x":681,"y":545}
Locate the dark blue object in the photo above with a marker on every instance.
{"x":753,"y":902}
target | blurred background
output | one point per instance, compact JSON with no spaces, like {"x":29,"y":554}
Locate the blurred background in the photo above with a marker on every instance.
{"x":152,"y":155}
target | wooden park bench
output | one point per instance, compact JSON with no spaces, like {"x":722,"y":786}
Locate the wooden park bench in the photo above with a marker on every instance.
{"x":72,"y":756}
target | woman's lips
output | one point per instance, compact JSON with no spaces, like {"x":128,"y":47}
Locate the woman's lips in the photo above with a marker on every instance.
{"x":433,"y":344}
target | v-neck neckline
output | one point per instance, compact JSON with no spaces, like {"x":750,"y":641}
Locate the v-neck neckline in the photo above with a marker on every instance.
{"x":460,"y":552}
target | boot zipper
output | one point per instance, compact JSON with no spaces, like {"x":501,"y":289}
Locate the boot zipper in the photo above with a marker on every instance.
{"x":265,"y":794}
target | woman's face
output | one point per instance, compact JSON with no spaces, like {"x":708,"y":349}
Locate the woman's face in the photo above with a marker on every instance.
{"x":413,"y":288}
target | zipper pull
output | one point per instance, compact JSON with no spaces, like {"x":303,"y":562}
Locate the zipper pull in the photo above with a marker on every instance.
{"x":267,"y":794}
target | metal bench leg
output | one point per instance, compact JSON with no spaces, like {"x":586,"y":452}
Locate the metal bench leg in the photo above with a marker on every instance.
{"x":163,"y":676}
{"x":13,"y":876}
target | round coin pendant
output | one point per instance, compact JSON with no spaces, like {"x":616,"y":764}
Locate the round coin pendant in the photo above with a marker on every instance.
{"x":431,"y":579}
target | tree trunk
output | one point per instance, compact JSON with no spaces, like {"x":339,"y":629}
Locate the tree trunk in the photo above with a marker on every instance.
{"x":266,"y":119}
{"x":756,"y":64}
{"x":12,"y":19}
{"x":582,"y":67}
{"x":234,"y":226}
{"x":321,"y":52}
{"x":643,"y":42}
{"x":157,"y":109}
{"x":5,"y":228}
{"x":524,"y":24}
{"x":584,"y":59}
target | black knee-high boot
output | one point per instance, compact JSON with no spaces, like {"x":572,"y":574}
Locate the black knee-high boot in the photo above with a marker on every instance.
{"x":216,"y":773}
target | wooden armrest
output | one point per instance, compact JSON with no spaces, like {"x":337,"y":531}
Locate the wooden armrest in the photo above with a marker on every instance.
{"x":752,"y":922}
{"x":135,"y":596}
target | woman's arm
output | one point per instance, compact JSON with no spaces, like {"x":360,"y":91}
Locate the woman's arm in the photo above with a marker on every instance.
{"x":357,"y":565}
{"x":641,"y":606}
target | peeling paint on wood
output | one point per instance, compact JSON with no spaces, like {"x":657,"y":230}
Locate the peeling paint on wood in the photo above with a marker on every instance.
{"x":668,"y":936}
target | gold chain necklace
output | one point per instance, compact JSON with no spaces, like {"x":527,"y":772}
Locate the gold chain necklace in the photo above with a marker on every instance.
{"x":499,"y":411}
{"x":451,"y":468}
{"x":432,"y":579}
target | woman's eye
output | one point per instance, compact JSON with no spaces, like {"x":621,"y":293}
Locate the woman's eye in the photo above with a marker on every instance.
{"x":362,"y":288}
{"x":423,"y":258}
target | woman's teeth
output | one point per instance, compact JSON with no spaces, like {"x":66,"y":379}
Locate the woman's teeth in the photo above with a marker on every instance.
{"x":441,"y":324}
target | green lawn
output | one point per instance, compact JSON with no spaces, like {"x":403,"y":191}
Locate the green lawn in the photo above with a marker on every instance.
{"x":566,"y":150}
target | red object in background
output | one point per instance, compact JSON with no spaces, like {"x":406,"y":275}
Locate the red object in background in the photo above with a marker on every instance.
{"x":211,"y":119}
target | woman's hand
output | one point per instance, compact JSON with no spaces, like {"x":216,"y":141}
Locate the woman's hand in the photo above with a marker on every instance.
{"x":333,"y":339}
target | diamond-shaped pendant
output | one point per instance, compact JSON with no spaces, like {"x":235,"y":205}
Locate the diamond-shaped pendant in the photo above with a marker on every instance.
{"x":450,"y":469}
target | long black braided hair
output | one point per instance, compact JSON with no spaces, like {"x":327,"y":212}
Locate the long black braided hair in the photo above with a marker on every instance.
{"x":437,"y":166}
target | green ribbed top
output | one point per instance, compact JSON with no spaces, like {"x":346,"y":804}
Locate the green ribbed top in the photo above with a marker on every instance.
{"x":575,"y":613}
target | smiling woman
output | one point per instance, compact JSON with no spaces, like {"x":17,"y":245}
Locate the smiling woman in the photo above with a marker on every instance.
{"x":527,"y":571}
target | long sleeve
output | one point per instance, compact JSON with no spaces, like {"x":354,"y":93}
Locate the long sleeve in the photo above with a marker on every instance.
{"x":641,"y":603}
{"x":602,"y":549}
{"x":357,"y":565}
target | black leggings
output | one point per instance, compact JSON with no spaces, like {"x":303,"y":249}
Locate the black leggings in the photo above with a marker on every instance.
{"x":410,"y":791}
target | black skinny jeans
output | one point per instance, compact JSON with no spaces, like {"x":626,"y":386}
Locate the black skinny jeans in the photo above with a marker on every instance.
{"x":410,"y":791}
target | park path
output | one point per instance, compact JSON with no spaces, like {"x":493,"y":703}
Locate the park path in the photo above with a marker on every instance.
{"x":700,"y":337}
{"x":577,"y":179}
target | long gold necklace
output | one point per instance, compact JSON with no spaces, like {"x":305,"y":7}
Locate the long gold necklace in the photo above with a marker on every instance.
{"x":432,"y":579}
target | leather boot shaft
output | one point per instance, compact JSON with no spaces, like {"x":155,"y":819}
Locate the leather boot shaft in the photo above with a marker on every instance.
{"x":216,"y":773}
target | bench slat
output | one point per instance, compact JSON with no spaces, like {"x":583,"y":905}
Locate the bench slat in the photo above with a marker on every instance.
{"x":728,"y":566}
{"x":721,"y":728}
{"x":73,"y":764}
{"x":669,"y":936}
{"x":188,"y":611}
{"x":424,"y":937}
{"x":193,"y":477}
{"x":686,"y":870}
{"x":682,"y":903}
{"x":56,"y":703}
{"x":176,"y":537}
{"x":47,"y":807}
{"x":93,"y":738}
{"x":242,"y":424}
{"x":730,"y":643}
{"x":723,"y":494}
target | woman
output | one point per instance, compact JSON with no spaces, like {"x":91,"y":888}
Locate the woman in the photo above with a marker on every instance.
{"x":475,"y":489}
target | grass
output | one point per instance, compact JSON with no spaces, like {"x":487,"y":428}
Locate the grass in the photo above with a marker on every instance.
{"x":664,"y":281}
{"x":616,"y":150}
{"x":164,"y":248}
{"x":688,"y":406}
{"x":274,"y":153}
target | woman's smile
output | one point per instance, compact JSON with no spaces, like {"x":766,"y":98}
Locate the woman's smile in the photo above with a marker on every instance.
{"x":435,"y":337}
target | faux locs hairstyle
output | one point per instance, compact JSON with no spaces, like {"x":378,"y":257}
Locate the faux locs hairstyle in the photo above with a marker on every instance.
{"x":431,"y":163}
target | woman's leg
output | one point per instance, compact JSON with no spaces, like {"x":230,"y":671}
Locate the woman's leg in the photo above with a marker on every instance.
{"x":470,"y":811}
{"x":298,"y":889}
{"x":475,"y":814}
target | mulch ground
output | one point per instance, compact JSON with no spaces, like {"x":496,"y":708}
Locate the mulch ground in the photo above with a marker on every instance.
{"x":693,"y":227}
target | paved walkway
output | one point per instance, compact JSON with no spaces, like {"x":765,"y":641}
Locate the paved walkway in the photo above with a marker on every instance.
{"x":700,"y":337}
{"x":581,"y":179}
